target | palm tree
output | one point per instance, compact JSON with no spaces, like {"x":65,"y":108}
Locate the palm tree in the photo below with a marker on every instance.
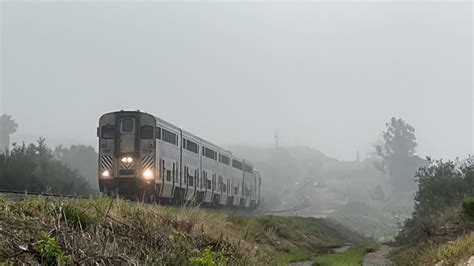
{"x":7,"y":127}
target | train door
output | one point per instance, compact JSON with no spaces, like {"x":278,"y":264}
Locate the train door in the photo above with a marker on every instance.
{"x":127,"y":150}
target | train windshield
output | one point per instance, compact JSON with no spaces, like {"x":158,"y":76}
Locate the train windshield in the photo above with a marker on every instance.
{"x":127,"y":135}
{"x":127,"y":125}
{"x":108,"y":132}
{"x":146,"y":132}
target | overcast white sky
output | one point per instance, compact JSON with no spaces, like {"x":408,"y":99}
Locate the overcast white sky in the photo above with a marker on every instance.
{"x":326,"y":75}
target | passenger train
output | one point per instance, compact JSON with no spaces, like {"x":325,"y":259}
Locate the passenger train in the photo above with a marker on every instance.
{"x":144,"y":157}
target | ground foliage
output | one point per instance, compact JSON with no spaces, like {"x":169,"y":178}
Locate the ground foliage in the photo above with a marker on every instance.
{"x":34,"y":168}
{"x":441,"y":227}
{"x":82,"y":158}
{"x":104,"y":230}
{"x":442,"y":186}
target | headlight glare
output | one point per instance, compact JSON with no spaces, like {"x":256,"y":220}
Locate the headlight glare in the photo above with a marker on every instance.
{"x":148,"y":174}
{"x":127,"y":160}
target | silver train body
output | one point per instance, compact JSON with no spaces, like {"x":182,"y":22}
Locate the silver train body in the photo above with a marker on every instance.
{"x":144,"y":157}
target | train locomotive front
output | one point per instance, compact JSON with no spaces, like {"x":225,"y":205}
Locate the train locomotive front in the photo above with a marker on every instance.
{"x":127,"y":154}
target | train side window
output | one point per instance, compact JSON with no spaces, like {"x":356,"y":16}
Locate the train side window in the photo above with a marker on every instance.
{"x":146,"y":132}
{"x":108,"y":132}
{"x":158,"y":132}
{"x":168,"y":175}
{"x":127,"y":125}
{"x":170,"y":137}
{"x":190,"y":179}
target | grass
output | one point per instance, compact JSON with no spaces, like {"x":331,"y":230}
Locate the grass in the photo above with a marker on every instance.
{"x":352,"y":256}
{"x":104,"y":230}
{"x":455,"y":252}
{"x":283,"y":258}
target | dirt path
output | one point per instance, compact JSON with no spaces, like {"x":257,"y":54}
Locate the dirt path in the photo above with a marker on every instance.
{"x":378,"y":258}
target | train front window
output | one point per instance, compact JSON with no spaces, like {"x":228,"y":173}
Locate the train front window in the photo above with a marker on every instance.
{"x":108,"y":132}
{"x":146,"y":132}
{"x":127,"y":125}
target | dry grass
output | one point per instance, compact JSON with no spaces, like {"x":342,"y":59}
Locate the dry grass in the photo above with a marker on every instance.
{"x":451,"y":253}
{"x":108,"y":231}
{"x":105,"y":230}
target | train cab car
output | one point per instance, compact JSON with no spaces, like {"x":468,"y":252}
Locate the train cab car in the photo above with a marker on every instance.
{"x":126,"y":152}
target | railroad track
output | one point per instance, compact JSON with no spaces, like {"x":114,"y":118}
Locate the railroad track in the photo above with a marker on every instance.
{"x":292,"y":209}
{"x":25,"y":192}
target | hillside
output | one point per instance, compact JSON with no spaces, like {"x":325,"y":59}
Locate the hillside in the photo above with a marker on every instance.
{"x":36,"y":229}
{"x":355,"y":193}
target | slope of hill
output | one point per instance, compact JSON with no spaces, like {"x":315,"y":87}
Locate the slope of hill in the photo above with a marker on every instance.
{"x":355,"y":192}
{"x":105,"y":230}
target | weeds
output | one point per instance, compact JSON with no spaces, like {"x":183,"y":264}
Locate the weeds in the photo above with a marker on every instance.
{"x":105,"y":230}
{"x":208,"y":257}
{"x":49,"y":250}
{"x":468,"y":206}
{"x":353,"y":256}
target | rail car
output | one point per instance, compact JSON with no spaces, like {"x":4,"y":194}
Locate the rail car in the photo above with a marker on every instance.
{"x":144,"y":157}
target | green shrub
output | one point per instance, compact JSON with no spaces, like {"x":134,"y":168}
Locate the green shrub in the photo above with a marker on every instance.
{"x":208,"y":257}
{"x":78,"y":218}
{"x":468,"y":206}
{"x":49,"y":250}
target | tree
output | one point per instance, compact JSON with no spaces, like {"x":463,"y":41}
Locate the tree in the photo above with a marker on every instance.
{"x":7,"y":127}
{"x":398,"y":155}
{"x":82,"y":158}
{"x":34,"y":168}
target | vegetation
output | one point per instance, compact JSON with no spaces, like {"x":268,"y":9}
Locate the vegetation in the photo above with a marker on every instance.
{"x":468,"y":206}
{"x":49,"y":250}
{"x":34,"y":168}
{"x":38,"y":229}
{"x":450,"y":253}
{"x":7,"y":127}
{"x":352,"y":256}
{"x":442,"y":226}
{"x":398,"y":154}
{"x":81,"y":158}
{"x":442,"y":186}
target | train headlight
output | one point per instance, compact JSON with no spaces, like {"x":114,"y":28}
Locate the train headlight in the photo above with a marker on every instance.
{"x":106,"y":174}
{"x":148,"y":174}
{"x":127,"y":160}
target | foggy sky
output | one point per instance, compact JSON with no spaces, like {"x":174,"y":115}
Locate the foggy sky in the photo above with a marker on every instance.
{"x":324,"y":75}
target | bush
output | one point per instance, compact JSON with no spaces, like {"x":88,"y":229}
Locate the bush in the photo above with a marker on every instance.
{"x":33,"y":168}
{"x":208,"y":257}
{"x":442,"y":186}
{"x":468,"y":206}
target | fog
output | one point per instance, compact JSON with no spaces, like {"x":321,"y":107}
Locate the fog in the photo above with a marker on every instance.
{"x":324,"y":75}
